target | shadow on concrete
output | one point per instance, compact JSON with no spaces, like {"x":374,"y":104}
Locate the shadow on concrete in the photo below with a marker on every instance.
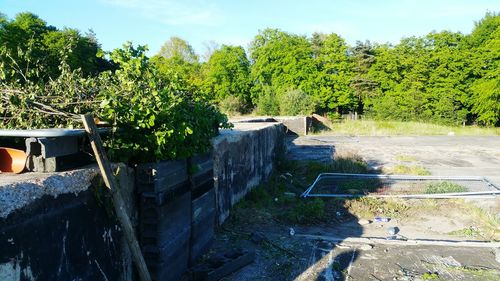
{"x":297,"y":151}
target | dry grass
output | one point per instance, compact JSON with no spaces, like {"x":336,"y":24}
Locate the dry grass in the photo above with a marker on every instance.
{"x":405,"y":158}
{"x":395,"y":128}
{"x":407,"y":170}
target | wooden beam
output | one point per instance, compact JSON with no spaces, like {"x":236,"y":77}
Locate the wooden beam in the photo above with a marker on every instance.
{"x":119,"y":204}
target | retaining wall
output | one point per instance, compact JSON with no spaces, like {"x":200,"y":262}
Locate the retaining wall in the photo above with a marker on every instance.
{"x":60,"y":226}
{"x":56,"y":227}
{"x":243,"y":158}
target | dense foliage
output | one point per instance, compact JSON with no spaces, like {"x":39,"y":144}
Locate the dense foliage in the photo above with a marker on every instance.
{"x":154,"y":114}
{"x":442,"y":77}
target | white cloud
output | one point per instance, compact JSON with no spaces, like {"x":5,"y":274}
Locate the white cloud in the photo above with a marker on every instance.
{"x":171,"y":12}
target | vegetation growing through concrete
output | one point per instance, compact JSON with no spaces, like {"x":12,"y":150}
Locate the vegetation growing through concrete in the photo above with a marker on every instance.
{"x":444,"y":187}
{"x":408,"y":170}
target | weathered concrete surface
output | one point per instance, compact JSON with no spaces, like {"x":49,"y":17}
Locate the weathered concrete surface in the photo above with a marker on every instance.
{"x":59,"y":226}
{"x":17,"y":191}
{"x":441,"y":155}
{"x":299,"y":125}
{"x":243,"y":158}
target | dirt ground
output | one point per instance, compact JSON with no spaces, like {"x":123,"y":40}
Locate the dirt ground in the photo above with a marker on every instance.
{"x":423,"y":240}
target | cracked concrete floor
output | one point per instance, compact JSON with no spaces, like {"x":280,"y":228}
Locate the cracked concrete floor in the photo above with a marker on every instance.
{"x":441,"y":155}
{"x":318,"y":259}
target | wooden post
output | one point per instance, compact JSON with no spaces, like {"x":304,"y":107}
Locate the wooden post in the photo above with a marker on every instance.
{"x":119,"y":204}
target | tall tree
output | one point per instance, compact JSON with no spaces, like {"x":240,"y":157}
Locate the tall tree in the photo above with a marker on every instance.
{"x":28,"y":40}
{"x":485,"y":41}
{"x":362,"y":85}
{"x":334,"y":74}
{"x":227,"y":73}
{"x":281,"y":61}
{"x":177,"y":57}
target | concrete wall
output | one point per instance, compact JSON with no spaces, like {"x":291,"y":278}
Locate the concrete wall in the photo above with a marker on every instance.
{"x":299,"y":125}
{"x":243,"y":158}
{"x":57,"y":227}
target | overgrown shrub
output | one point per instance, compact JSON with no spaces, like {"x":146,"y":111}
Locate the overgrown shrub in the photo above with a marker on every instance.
{"x":444,"y":187}
{"x":291,"y":102}
{"x":155,"y":118}
{"x":295,"y":102}
{"x":267,"y":103}
{"x":233,"y":105}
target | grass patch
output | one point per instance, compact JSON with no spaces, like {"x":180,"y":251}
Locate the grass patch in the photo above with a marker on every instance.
{"x":486,"y":274}
{"x":444,"y":187}
{"x":485,"y":223}
{"x":395,"y":128}
{"x":368,"y":208}
{"x":406,"y":158}
{"x":409,"y":170}
{"x":430,"y":276}
{"x":467,"y":232}
{"x":278,"y":200}
{"x":488,"y":222}
{"x":305,"y":211}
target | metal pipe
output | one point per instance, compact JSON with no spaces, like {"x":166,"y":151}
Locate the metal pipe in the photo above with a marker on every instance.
{"x":416,"y":196}
{"x":399,"y":177}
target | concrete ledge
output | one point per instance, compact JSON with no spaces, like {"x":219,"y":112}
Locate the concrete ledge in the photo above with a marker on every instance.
{"x":299,"y":125}
{"x":17,"y":191}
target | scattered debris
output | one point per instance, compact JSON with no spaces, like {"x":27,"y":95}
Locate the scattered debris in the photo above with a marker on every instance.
{"x":392,"y":230}
{"x":365,"y":247}
{"x":382,"y":219}
{"x":364,"y":221}
{"x":217,"y":267}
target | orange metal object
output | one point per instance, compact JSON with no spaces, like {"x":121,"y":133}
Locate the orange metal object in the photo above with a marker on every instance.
{"x":12,"y":160}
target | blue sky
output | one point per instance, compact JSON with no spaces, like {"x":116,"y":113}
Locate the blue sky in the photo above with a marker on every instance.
{"x":200,"y":22}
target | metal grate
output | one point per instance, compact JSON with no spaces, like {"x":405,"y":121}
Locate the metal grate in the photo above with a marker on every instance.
{"x":403,"y":186}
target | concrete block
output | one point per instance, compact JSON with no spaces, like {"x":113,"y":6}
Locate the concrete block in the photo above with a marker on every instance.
{"x":52,"y":147}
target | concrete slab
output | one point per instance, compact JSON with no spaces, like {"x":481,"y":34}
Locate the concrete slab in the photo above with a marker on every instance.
{"x":17,"y":191}
{"x":441,"y":155}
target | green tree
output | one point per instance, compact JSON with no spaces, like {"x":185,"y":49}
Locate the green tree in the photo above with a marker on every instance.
{"x":447,"y":83}
{"x":281,"y":61}
{"x":485,"y":55}
{"x":177,"y":57}
{"x":361,"y":84}
{"x":227,"y":73}
{"x":334,"y":73}
{"x":28,"y":40}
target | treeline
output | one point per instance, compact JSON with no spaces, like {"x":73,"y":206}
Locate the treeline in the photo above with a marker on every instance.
{"x":443,"y":77}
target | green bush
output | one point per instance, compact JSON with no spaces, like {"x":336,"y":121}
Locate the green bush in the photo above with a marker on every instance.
{"x":233,"y":105}
{"x":306,"y":211}
{"x":267,"y":103}
{"x":155,"y":118}
{"x":295,"y":102}
{"x":444,"y":187}
{"x":291,"y":102}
